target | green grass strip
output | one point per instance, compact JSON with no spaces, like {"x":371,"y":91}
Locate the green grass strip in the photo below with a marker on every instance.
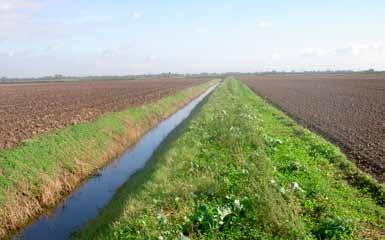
{"x":57,"y":161}
{"x":241,"y":169}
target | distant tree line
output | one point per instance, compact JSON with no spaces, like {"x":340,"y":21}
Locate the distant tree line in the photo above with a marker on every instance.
{"x":62,"y":78}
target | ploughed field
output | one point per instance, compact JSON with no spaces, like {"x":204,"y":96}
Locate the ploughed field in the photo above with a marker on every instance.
{"x":347,"y":108}
{"x":30,"y":109}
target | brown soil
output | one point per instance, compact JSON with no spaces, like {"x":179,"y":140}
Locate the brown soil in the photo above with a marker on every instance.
{"x":349,"y":109}
{"x":22,"y":205}
{"x":30,"y":109}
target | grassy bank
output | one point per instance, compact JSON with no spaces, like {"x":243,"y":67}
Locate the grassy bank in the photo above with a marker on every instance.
{"x":241,"y":169}
{"x":42,"y":170}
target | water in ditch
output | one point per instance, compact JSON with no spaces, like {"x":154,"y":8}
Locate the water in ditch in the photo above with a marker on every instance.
{"x":86,"y":202}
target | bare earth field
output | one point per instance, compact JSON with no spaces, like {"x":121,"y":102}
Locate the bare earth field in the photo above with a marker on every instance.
{"x":30,"y":109}
{"x":347,"y":108}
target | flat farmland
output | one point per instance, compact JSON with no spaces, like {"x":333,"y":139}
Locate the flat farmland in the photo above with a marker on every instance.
{"x":349,"y":109}
{"x":30,"y":109}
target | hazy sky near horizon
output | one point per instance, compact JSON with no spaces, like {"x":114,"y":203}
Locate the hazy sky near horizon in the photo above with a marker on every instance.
{"x":84,"y":37}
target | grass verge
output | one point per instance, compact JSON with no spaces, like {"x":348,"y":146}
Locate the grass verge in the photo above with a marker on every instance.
{"x":241,"y":169}
{"x":41,"y":171}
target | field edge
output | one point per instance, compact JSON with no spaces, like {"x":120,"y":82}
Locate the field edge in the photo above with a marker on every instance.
{"x":318,"y":101}
{"x":59,"y":161}
{"x":241,"y":166}
{"x":356,"y":174}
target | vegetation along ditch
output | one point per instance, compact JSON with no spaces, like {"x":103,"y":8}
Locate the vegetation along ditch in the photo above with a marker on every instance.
{"x":241,"y":169}
{"x":43,"y":170}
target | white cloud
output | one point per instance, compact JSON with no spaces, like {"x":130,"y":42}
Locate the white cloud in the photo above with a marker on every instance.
{"x":353,"y":49}
{"x":51,"y":48}
{"x":16,"y":53}
{"x":16,"y":16}
{"x":106,"y":53}
{"x":117,"y":51}
{"x":87,"y":19}
{"x":275,"y":57}
{"x":343,"y":51}
{"x":313,"y":52}
{"x":9,"y":6}
{"x":9,"y":53}
{"x":369,"y":48}
{"x":201,"y":30}
{"x":264,"y":24}
{"x":152,"y":58}
{"x":136,"y":16}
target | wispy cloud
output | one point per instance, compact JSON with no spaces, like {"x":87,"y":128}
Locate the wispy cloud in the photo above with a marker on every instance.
{"x":136,"y":15}
{"x":107,"y":53}
{"x":9,"y":53}
{"x":53,"y":47}
{"x":264,"y":24}
{"x":152,"y":58}
{"x":201,"y":29}
{"x":16,"y":16}
{"x":353,"y":49}
{"x":276,"y":56}
{"x":16,"y":53}
{"x":360,"y":49}
{"x":87,"y":19}
{"x":10,"y":6}
{"x":116,"y":51}
{"x":344,"y":51}
{"x":313,"y":52}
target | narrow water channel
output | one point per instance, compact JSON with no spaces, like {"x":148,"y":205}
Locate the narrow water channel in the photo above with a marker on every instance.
{"x":87,"y":201}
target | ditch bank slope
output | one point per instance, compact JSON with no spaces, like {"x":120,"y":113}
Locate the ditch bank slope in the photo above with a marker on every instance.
{"x":40,"y":172}
{"x":241,"y":169}
{"x":28,"y":110}
{"x":349,"y":109}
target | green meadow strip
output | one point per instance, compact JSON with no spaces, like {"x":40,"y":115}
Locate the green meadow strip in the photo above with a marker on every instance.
{"x":241,"y":169}
{"x":40,"y":171}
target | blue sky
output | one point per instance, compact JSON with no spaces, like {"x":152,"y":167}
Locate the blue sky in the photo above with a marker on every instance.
{"x":79,"y":37}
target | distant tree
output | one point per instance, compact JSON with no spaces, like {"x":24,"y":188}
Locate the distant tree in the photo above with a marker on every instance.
{"x":58,"y":76}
